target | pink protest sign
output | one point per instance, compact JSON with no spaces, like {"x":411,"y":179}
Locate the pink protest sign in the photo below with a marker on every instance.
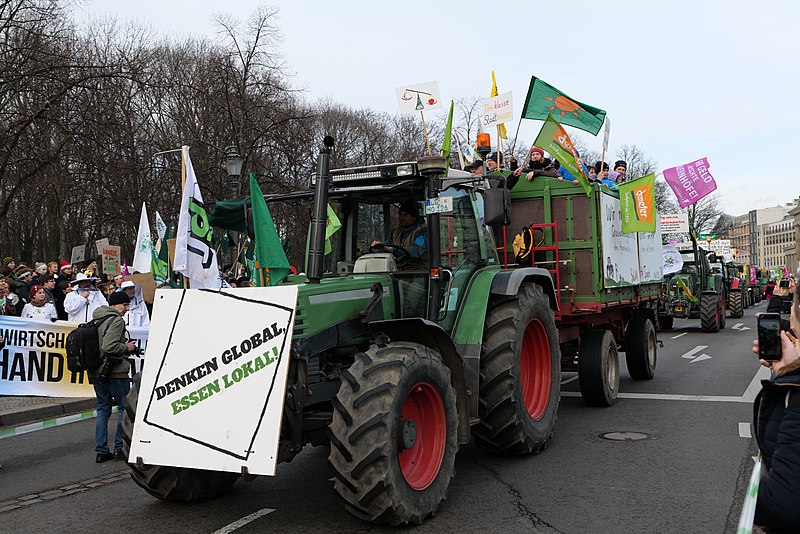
{"x":690,"y":182}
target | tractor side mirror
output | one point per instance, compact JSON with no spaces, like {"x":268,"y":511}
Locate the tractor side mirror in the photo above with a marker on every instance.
{"x":497,"y":206}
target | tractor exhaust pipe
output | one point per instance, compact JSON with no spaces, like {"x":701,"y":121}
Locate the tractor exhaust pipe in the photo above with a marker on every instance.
{"x":319,"y":213}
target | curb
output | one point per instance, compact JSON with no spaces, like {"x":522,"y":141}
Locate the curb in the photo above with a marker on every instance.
{"x":26,"y":414}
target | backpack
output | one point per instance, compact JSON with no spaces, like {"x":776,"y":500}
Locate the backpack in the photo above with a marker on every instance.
{"x":524,"y":244}
{"x":83,"y":347}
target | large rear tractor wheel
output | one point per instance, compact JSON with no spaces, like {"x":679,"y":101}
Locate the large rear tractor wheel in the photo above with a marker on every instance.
{"x":640,"y":348}
{"x":169,"y":483}
{"x":723,"y":313}
{"x":598,"y":367}
{"x":736,"y":308}
{"x":394,"y":434}
{"x":709,"y":312}
{"x":520,"y":377}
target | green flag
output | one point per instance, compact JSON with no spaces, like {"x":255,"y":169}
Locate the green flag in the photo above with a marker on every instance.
{"x":554,"y":139}
{"x":543,"y":100}
{"x":637,"y":201}
{"x":159,"y":268}
{"x":332,"y":224}
{"x":269,"y":252}
{"x":448,"y":133}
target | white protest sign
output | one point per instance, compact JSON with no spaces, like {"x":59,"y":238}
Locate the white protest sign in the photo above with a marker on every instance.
{"x":673,"y":261}
{"x":721,"y":247}
{"x":674,"y":223}
{"x":213,"y":389}
{"x":418,"y":97}
{"x":651,"y":265}
{"x":606,"y":134}
{"x":78,"y":254}
{"x":111,"y":259}
{"x":100,"y":243}
{"x":497,"y":110}
{"x":620,"y":259}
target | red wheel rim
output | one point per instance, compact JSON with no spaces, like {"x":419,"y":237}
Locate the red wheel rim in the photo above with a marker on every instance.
{"x":535,"y":369}
{"x":421,"y":463}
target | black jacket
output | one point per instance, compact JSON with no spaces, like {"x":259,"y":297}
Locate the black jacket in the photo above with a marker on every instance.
{"x":776,"y":417}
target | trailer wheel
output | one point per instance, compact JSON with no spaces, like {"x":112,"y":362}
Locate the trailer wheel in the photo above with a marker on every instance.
{"x":709,"y":312}
{"x":640,"y":348}
{"x":394,"y":434}
{"x":520,"y":376}
{"x":598,"y":367}
{"x":164,"y":482}
{"x":736,"y":307}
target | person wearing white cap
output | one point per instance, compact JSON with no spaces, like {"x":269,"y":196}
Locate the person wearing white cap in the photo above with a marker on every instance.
{"x":137,"y":314}
{"x":81,"y":302}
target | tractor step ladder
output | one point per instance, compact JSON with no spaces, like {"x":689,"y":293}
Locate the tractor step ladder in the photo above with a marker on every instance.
{"x":552,"y":266}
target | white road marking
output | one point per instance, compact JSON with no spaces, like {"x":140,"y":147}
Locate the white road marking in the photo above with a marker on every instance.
{"x":737,"y":326}
{"x":568,"y":380}
{"x":755,"y":384}
{"x":243,"y":521}
{"x":742,"y":329}
{"x":679,"y":335}
{"x":701,"y":358}
{"x":744,"y":430}
{"x":665,"y":396}
{"x":689,"y":355}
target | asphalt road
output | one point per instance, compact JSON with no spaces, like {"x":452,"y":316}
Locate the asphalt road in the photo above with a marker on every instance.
{"x":681,"y":465}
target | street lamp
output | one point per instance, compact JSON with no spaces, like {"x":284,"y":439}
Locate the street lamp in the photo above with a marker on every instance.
{"x":233,"y":163}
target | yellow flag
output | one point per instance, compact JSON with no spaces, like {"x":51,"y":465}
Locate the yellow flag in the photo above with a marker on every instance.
{"x":502,"y":127}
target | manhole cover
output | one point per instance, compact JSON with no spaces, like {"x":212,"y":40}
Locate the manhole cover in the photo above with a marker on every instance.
{"x":624,"y":436}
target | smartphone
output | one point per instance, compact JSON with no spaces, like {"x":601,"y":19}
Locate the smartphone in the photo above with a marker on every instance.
{"x":784,"y":283}
{"x":769,"y":336}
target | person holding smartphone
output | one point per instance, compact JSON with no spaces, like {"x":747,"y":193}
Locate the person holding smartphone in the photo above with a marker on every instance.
{"x":776,"y":419}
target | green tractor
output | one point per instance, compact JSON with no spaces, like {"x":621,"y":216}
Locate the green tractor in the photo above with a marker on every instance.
{"x":694,"y":292}
{"x":397,"y":361}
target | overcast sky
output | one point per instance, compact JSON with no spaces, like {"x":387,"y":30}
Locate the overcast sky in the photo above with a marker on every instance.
{"x":682,"y":80}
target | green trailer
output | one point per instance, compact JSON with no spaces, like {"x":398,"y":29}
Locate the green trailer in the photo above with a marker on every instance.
{"x":609,"y":283}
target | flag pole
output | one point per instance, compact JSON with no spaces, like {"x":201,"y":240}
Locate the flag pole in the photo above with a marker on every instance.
{"x":425,"y":131}
{"x":514,"y":144}
{"x":184,"y":150}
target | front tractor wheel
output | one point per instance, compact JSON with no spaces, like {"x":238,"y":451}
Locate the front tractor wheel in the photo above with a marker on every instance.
{"x":520,"y":376}
{"x":394,"y":434}
{"x":709,"y":312}
{"x":164,"y":482}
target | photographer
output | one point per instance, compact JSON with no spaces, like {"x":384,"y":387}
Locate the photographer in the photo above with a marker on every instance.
{"x":777,"y":424}
{"x":111,"y":380}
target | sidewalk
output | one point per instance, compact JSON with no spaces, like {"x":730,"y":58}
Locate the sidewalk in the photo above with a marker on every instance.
{"x":20,"y":410}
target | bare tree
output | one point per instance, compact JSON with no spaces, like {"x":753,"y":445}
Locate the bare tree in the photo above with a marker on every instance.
{"x":639,"y":164}
{"x":704,"y":213}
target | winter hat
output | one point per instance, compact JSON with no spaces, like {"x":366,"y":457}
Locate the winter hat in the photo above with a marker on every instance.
{"x":7,"y":260}
{"x":621,"y":163}
{"x":493,"y":157}
{"x":597,"y":166}
{"x":41,"y":267}
{"x":537,"y":149}
{"x":118,"y":297}
{"x":33,"y":291}
{"x":410,"y":207}
{"x":64,"y":265}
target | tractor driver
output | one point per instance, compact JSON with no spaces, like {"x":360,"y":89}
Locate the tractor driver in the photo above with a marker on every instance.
{"x":407,"y":244}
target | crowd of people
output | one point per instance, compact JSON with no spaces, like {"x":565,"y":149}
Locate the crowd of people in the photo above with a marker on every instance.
{"x":58,"y":291}
{"x":540,"y":165}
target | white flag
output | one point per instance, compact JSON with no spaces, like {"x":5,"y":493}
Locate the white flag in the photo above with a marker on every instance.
{"x":161,"y":226}
{"x":465,"y":148}
{"x":194,"y":253}
{"x":143,"y":257}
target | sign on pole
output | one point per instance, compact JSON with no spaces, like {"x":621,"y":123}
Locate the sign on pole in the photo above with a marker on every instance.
{"x":606,"y":134}
{"x":100,"y":243}
{"x":497,"y":109}
{"x":418,"y":97}
{"x":111,"y":259}
{"x":674,"y":223}
{"x":78,"y":254}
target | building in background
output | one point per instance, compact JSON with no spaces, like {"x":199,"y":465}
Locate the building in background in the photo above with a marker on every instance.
{"x":767,"y":237}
